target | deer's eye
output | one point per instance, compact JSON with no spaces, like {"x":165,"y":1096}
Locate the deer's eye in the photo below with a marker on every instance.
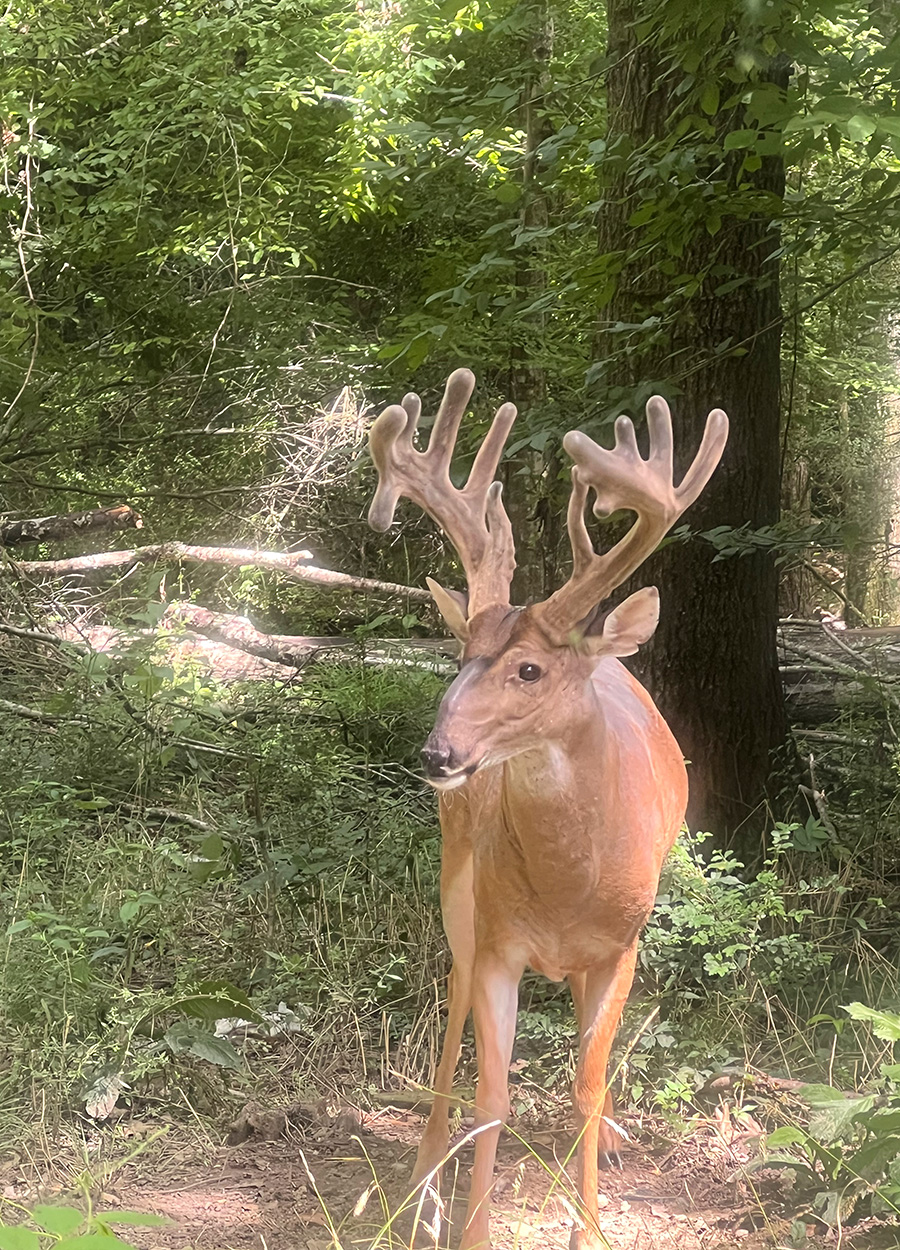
{"x":529,"y":672}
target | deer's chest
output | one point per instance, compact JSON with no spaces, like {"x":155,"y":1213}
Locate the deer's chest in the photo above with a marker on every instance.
{"x":556,"y":902}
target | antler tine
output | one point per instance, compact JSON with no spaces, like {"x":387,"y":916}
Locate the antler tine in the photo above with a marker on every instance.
{"x":579,"y":538}
{"x":621,"y":478}
{"x":473,"y":518}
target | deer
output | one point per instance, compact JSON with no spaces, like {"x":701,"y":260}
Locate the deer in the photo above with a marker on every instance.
{"x":561,"y":788}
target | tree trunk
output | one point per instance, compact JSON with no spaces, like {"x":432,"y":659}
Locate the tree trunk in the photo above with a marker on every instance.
{"x":527,"y":375}
{"x":712,"y":666}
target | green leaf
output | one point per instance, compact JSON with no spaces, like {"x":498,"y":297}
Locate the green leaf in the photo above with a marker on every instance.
{"x":216,"y":1050}
{"x":835,"y":1119}
{"x":740,"y":139}
{"x":139,"y":1219}
{"x":643,"y":214}
{"x":508,"y":193}
{"x":709,"y":100}
{"x":860,"y":128}
{"x":820,"y":1095}
{"x":18,"y":1238}
{"x":787,"y":1135}
{"x":885,"y":1024}
{"x":211,"y":1001}
{"x":59,"y":1220}
{"x":189,"y":1037}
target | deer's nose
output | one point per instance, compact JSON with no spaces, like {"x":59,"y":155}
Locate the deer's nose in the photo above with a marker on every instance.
{"x":435,"y":759}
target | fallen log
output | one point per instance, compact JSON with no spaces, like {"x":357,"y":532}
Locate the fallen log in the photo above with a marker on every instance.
{"x":829,"y":674}
{"x":219,"y":660}
{"x":230,"y":649}
{"x":52,"y":529}
{"x":237,"y":631}
{"x":292,"y":564}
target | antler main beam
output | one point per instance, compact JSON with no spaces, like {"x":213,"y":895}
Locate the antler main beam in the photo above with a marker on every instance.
{"x":473,"y":518}
{"x":621,"y":478}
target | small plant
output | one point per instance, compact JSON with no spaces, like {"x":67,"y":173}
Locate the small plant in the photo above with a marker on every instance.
{"x":68,"y":1228}
{"x":850,"y":1150}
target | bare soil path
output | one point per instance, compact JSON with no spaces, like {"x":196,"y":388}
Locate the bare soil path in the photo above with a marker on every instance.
{"x":304,"y":1190}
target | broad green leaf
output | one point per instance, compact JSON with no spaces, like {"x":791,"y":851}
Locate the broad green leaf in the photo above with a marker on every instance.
{"x":740,"y":139}
{"x":834,"y":1120}
{"x":217,"y":1050}
{"x":190,"y":1037}
{"x":873,"y":1159}
{"x":508,"y":193}
{"x":93,"y":1241}
{"x":860,"y":128}
{"x":59,"y":1220}
{"x":139,"y":1219}
{"x":787,"y":1135}
{"x":885,"y":1024}
{"x":819,"y":1095}
{"x":709,"y":100}
{"x":18,"y":1238}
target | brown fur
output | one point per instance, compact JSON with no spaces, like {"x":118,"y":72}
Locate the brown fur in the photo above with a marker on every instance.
{"x":551,"y":859}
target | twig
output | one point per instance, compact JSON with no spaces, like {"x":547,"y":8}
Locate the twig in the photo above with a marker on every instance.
{"x":168,"y":813}
{"x":813,"y":792}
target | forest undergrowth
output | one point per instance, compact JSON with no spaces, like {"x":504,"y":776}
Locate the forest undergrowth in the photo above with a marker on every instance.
{"x":177,"y":856}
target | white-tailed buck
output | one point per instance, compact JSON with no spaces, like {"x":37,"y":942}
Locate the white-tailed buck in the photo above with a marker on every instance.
{"x":561,"y":787}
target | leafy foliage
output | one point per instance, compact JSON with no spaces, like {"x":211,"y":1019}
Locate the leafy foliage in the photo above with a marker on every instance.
{"x":850,"y":1150}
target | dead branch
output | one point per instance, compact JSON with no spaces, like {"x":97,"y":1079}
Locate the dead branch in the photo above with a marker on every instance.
{"x":237,"y":631}
{"x":223,"y":662}
{"x":30,"y":713}
{"x":169,"y":813}
{"x":35,"y":634}
{"x":291,"y":649}
{"x":51,"y":529}
{"x":292,"y":564}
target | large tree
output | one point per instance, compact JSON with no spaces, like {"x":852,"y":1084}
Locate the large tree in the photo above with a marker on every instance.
{"x":689,"y":244}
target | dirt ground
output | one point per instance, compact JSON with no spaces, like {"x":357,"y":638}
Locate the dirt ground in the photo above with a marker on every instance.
{"x":307,"y":1191}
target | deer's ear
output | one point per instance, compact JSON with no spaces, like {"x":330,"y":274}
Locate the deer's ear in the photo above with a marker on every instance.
{"x":453,"y":606}
{"x":629,"y":625}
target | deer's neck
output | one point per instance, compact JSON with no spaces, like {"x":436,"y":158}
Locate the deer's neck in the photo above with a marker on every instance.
{"x":555,"y":779}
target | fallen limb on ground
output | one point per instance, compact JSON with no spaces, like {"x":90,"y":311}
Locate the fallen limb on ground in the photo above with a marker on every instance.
{"x":51,"y":529}
{"x":294,"y":564}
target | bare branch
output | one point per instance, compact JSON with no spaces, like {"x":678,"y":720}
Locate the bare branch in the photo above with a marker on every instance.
{"x":44,"y":718}
{"x":292,"y":564}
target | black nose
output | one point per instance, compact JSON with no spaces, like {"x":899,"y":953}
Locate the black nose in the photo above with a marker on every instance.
{"x":435,"y":759}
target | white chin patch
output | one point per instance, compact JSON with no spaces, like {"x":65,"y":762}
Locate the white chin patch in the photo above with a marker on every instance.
{"x":452,"y":782}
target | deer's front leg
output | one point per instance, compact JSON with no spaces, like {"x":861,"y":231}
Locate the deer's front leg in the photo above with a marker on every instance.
{"x":600,"y":998}
{"x":436,"y":1138}
{"x":457,"y":908}
{"x":495,"y":993}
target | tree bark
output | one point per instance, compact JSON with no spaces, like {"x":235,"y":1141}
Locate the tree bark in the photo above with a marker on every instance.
{"x":51,"y":529}
{"x":712,"y":666}
{"x":527,"y":375}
